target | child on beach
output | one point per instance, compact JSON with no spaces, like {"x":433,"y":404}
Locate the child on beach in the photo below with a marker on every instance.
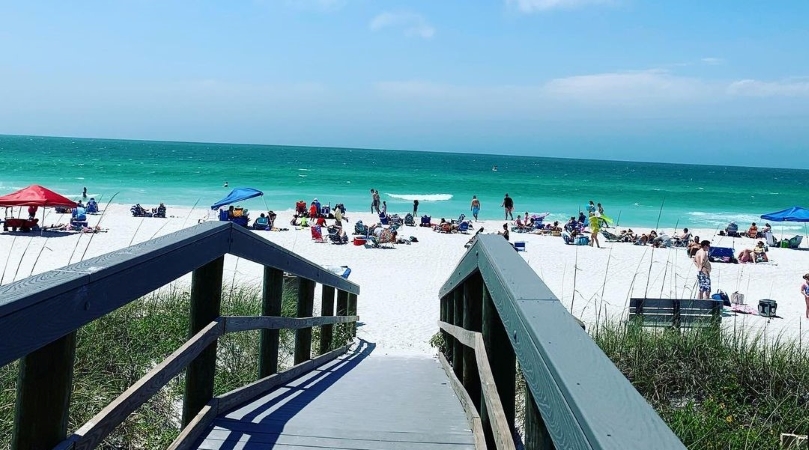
{"x":805,"y":292}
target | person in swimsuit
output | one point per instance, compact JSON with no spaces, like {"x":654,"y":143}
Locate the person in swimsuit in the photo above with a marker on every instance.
{"x":805,"y":292}
{"x":475,"y":207}
{"x":508,"y":205}
{"x":704,"y":267}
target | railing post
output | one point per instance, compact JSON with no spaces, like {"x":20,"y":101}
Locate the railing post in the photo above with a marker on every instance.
{"x":326,"y":310}
{"x":473,"y":299}
{"x":303,"y":336}
{"x":272,"y":296}
{"x":206,"y":301}
{"x":352,"y":311}
{"x":342,"y":310}
{"x":449,"y":314}
{"x":536,"y":434}
{"x":457,"y":320}
{"x":44,"y":386}
{"x":503,"y":362}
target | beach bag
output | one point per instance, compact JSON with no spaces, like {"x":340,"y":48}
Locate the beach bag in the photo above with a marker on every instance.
{"x":722,"y":296}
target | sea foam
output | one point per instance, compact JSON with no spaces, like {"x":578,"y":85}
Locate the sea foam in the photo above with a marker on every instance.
{"x":421,"y":197}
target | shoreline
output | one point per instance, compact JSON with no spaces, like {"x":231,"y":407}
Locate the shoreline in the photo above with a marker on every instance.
{"x":399,"y":313}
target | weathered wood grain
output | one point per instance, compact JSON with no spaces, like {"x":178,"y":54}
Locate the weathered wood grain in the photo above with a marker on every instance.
{"x":195,"y":428}
{"x":326,"y":309}
{"x":303,"y":336}
{"x":501,"y":430}
{"x":104,"y":287}
{"x":102,"y":424}
{"x":576,"y":387}
{"x":206,"y":302}
{"x":271,"y":300}
{"x":468,"y":406}
{"x":246,"y":323}
{"x":43,"y":395}
{"x":243,"y":394}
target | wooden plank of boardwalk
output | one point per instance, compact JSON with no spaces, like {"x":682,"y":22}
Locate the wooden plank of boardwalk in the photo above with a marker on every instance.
{"x":357,"y":401}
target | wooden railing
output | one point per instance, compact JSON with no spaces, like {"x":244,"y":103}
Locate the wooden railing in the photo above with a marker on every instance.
{"x":39,"y":317}
{"x":495,"y":307}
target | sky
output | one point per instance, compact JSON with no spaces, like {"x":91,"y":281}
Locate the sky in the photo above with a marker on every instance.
{"x":706,"y":82}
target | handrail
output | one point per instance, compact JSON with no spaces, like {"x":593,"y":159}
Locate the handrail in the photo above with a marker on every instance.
{"x":104,"y":422}
{"x":576,"y":387}
{"x":39,"y":317}
{"x":474,"y":340}
{"x":41,"y":308}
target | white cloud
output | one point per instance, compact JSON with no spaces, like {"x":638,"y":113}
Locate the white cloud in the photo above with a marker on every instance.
{"x":414,"y":25}
{"x":712,"y":61}
{"x":794,"y":87}
{"x":630,"y":88}
{"x":532,"y":6}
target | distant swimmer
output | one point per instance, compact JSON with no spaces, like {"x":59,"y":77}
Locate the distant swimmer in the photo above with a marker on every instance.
{"x":226,"y":184}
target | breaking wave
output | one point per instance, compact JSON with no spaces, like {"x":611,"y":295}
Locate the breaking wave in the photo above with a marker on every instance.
{"x":422,"y":197}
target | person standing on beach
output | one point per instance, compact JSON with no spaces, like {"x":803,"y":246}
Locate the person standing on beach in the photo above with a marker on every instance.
{"x":415,"y":208}
{"x":591,"y":208}
{"x":508,"y":205}
{"x":376,"y":200}
{"x":805,"y":292}
{"x":595,"y":227}
{"x":373,"y":200}
{"x":704,"y":267}
{"x":475,"y":207}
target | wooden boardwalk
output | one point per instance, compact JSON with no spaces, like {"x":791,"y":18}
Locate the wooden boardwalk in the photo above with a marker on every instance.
{"x":359,"y":401}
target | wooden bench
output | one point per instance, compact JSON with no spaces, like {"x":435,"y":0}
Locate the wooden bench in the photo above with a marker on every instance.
{"x":676,"y":313}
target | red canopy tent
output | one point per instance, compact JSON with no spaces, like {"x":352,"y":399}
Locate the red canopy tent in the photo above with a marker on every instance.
{"x":36,"y":195}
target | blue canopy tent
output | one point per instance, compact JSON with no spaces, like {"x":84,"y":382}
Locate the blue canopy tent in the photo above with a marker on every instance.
{"x":794,"y":214}
{"x":237,"y":195}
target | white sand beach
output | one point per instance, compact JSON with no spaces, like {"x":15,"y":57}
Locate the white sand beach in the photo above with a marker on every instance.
{"x":398,"y":303}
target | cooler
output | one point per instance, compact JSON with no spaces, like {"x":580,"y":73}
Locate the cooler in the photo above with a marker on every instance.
{"x":767,"y":307}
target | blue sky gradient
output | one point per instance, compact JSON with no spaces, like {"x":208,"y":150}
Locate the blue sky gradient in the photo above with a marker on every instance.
{"x":720,"y":82}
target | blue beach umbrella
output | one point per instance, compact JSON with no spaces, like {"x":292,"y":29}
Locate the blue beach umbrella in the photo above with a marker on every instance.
{"x":237,"y":195}
{"x":794,"y":214}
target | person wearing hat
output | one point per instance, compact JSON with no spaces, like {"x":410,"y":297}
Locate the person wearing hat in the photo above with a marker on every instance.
{"x":704,"y":266}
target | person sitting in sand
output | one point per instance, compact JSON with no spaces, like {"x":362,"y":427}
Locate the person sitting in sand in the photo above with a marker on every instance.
{"x":521,"y":227}
{"x":571,"y":224}
{"x":262,"y":223}
{"x":504,"y":233}
{"x":693,"y":247}
{"x":760,"y":253}
{"x":681,"y":239}
{"x":752,"y":232}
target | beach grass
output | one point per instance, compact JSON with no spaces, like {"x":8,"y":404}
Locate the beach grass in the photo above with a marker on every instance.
{"x":114,"y":351}
{"x":715,"y":389}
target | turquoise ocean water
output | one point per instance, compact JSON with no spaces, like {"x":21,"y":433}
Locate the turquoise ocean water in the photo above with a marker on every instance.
{"x":640,"y":194}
